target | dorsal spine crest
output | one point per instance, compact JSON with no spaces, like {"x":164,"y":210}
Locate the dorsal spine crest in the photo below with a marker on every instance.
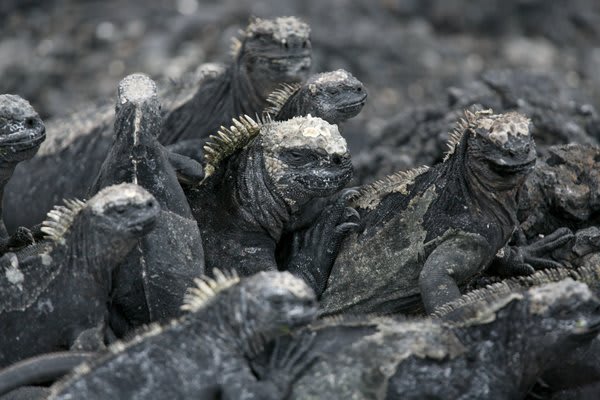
{"x":369,"y":196}
{"x":228,"y":141}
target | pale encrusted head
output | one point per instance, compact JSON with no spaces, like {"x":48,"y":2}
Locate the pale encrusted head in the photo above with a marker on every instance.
{"x":274,"y":51}
{"x":334,"y":96}
{"x":309,"y":132}
{"x":136,"y":88}
{"x":305,"y":157}
{"x":501,"y":127}
{"x":277,"y":300}
{"x":21,"y":129}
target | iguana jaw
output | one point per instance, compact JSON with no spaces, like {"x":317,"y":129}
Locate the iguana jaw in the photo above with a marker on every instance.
{"x":21,"y":129}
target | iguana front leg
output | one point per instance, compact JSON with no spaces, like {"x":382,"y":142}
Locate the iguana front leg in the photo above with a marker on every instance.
{"x":189,"y":171}
{"x":452,"y":262}
{"x":315,"y":249}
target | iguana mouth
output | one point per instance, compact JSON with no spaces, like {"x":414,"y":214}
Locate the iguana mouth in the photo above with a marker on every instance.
{"x":23,"y":140}
{"x":353,"y":105}
{"x":513,"y":168}
{"x":142,"y":226}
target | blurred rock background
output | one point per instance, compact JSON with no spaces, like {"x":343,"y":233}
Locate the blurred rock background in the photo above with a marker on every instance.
{"x":411,"y":54}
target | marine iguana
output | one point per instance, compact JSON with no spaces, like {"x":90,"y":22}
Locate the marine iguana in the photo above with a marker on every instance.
{"x":257,"y":175}
{"x":581,"y":366}
{"x":204,"y":354}
{"x":21,"y":133}
{"x":150,"y":283}
{"x":54,"y":294}
{"x":334,"y":96}
{"x":426,"y":232}
{"x":496,"y":342}
{"x":272,"y":51}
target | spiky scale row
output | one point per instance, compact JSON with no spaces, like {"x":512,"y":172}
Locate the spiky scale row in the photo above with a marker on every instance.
{"x":468,"y":123}
{"x":207,"y":288}
{"x":227,"y":141}
{"x":280,"y":96}
{"x":60,"y":219}
{"x":369,"y":196}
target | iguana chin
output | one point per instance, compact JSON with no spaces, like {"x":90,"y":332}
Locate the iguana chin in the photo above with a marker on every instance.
{"x":334,"y":96}
{"x":205,"y":354}
{"x":257,"y":175}
{"x":270,"y":52}
{"x":426,"y":232}
{"x":149,"y":285}
{"x":21,"y":134}
{"x":55,"y":293}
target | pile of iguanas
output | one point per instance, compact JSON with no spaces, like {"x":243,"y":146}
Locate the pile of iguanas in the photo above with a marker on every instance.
{"x":221,"y":255}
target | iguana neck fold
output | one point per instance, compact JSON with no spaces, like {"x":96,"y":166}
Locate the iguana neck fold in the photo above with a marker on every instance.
{"x":258,"y":202}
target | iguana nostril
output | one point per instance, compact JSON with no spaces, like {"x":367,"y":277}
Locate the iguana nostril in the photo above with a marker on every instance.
{"x":337,"y":160}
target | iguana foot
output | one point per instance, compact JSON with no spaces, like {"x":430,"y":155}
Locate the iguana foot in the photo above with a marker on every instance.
{"x":21,"y":238}
{"x":525,"y":259}
{"x":315,"y":249}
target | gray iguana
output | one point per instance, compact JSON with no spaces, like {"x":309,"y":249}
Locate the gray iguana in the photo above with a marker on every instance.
{"x":54,"y":294}
{"x":257,"y":175}
{"x":334,"y":96}
{"x":426,"y":232}
{"x":493,"y":345}
{"x":150,"y":283}
{"x":205,"y":354}
{"x":581,"y":366}
{"x":21,"y":134}
{"x":271,"y":52}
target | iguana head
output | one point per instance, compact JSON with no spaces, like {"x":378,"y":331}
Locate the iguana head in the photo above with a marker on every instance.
{"x":274,"y":51}
{"x":123,"y":211}
{"x":568,"y":308}
{"x":500,"y":148}
{"x":276,"y":301}
{"x":333,"y":96}
{"x":305,"y":157}
{"x":137,"y":108}
{"x":298,"y":159}
{"x":21,"y":129}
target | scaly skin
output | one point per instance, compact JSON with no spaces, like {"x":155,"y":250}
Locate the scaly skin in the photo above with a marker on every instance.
{"x":497,"y":342}
{"x":150,"y":284}
{"x":21,"y":134}
{"x":271,"y":52}
{"x":55,"y":293}
{"x":242,"y":207}
{"x":204,"y":354}
{"x":425,"y":233}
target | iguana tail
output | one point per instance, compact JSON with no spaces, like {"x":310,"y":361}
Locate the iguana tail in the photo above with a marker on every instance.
{"x":41,"y":369}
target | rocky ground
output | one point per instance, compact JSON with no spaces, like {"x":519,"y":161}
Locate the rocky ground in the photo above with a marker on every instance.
{"x":62,"y":53}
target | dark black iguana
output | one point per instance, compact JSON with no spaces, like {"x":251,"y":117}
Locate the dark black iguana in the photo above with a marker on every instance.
{"x":54,"y":294}
{"x":205,"y":354}
{"x":271,"y":52}
{"x":21,"y":134}
{"x":492,"y":346}
{"x":257,"y":175}
{"x":426,"y":232}
{"x":149,"y":285}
